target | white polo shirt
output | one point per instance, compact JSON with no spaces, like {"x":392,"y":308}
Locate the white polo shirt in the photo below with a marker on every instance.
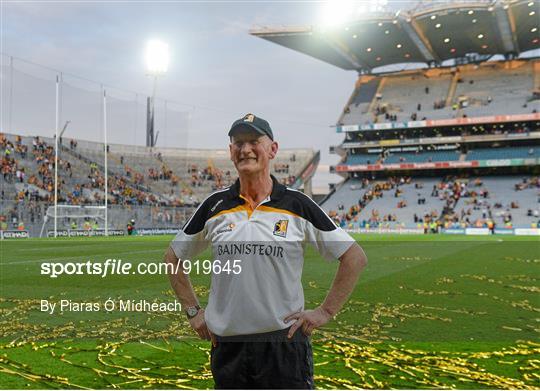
{"x":269,"y":241}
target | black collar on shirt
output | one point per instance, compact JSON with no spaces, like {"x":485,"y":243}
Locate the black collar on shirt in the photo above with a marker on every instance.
{"x":278,"y":190}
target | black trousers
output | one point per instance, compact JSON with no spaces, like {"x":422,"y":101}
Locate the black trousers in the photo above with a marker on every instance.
{"x":263,"y":361}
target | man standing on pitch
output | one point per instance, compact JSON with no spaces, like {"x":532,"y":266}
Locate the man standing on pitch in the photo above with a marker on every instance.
{"x":255,"y":315}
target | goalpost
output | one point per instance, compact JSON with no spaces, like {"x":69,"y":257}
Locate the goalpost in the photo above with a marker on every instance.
{"x":55,"y":213}
{"x":63,"y":217}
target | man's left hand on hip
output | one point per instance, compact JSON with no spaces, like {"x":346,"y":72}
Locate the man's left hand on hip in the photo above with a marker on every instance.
{"x":308,"y":320}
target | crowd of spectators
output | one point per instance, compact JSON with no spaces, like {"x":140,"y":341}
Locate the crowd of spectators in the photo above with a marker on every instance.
{"x":123,"y":189}
{"x":211,"y":176}
{"x":476,"y":200}
{"x":30,"y":162}
{"x":472,"y":193}
{"x":11,"y":169}
{"x":349,"y":217}
{"x":163,"y":174}
{"x":165,"y":216}
{"x":14,"y":156}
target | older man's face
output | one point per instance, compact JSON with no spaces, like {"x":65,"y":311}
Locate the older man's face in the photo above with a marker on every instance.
{"x":250,"y":152}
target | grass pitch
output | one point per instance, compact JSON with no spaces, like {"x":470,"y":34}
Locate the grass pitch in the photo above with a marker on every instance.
{"x":428,"y":312}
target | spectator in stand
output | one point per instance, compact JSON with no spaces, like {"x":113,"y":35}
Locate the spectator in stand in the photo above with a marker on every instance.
{"x":3,"y":223}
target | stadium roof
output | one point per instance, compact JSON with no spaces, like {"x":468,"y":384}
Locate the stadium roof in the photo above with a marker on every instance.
{"x":444,"y":31}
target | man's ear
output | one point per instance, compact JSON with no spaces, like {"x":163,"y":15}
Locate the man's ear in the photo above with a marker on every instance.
{"x":230,"y":151}
{"x":273,"y":149}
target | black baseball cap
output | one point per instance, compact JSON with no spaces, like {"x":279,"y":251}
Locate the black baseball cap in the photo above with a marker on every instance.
{"x":252,"y":122}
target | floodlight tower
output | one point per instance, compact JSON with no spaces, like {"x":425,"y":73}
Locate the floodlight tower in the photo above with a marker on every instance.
{"x":157,"y":62}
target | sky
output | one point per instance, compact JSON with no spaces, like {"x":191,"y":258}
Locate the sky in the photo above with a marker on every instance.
{"x":218,"y":72}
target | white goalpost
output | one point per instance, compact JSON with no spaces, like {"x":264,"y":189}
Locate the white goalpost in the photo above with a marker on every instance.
{"x":85,"y":217}
{"x":58,"y":211}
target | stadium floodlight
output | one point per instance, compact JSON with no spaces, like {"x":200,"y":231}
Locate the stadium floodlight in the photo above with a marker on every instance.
{"x":157,"y":63}
{"x":337,"y":12}
{"x":157,"y":57}
{"x":334,"y":13}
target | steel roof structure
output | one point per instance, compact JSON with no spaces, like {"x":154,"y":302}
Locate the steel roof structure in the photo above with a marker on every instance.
{"x":475,"y":30}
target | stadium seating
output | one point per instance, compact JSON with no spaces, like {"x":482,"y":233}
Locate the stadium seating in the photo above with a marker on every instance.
{"x":347,"y":193}
{"x":350,"y":192}
{"x":450,"y":155}
{"x":495,"y":88}
{"x":489,"y":89}
{"x":360,"y":101}
{"x":403,"y":94}
{"x":410,"y":195}
{"x":422,"y":157}
{"x":146,"y":200}
{"x":404,"y":157}
{"x":504,"y":153}
{"x":502,"y":191}
{"x":362,"y":159}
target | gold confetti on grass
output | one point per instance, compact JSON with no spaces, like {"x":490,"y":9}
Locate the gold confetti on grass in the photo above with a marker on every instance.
{"x":444,"y":280}
{"x":527,"y":288}
{"x":518,"y":259}
{"x":423,"y":368}
{"x":365,"y":356}
{"x":521,"y":277}
{"x":434,"y":293}
{"x":408,"y":258}
{"x":512,"y":328}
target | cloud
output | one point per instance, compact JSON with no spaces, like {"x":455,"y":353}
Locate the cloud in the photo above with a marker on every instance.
{"x":44,"y":12}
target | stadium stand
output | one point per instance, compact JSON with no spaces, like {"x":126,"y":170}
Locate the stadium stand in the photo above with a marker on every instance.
{"x":404,"y":205}
{"x":409,"y":96}
{"x":347,"y":193}
{"x":494,"y":88}
{"x":457,"y":202}
{"x":361,"y":99}
{"x":504,"y":153}
{"x":453,"y":153}
{"x":158,"y":186}
{"x":396,"y":202}
{"x":478,"y":90}
{"x":417,"y":157}
{"x":510,"y":201}
{"x":362,"y":159}
{"x":444,"y":93}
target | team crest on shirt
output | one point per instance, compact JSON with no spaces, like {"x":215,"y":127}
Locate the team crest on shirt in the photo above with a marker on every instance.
{"x":280,"y":228}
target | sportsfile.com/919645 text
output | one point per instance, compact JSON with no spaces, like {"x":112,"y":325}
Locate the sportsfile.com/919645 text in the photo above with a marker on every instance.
{"x":119,"y":267}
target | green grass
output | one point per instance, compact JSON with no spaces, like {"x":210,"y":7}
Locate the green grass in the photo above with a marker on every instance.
{"x":428,"y":312}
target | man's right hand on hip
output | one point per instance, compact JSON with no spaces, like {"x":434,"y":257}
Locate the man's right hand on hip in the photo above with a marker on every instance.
{"x":198,"y":324}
